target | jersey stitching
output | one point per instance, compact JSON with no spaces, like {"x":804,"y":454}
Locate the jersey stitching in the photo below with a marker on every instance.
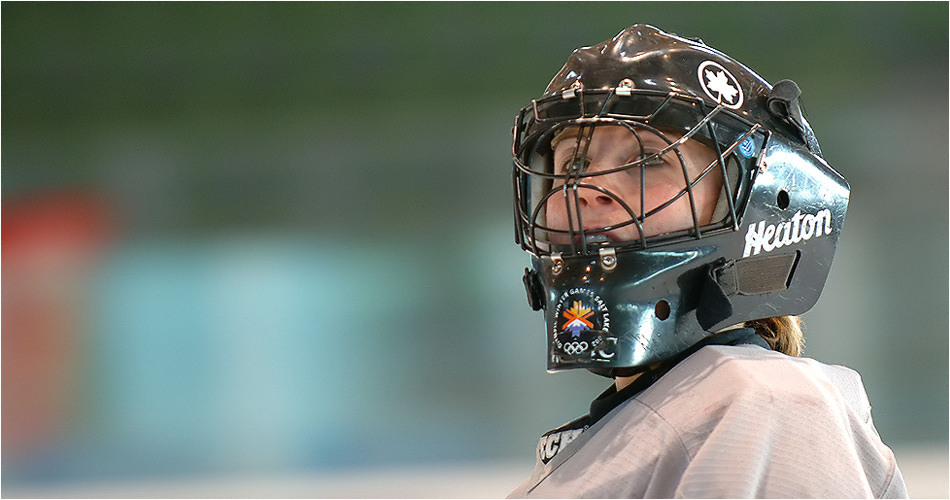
{"x":676,"y":433}
{"x":890,"y":478}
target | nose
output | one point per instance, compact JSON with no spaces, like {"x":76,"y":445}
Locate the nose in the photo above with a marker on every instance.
{"x":594,"y":199}
{"x":599,"y":208}
{"x":607,"y":200}
{"x":601,"y":191}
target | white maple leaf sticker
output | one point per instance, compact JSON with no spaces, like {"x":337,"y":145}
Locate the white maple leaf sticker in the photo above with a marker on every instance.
{"x":717,"y":81}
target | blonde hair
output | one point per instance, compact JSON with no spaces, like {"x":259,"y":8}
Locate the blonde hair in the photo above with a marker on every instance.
{"x":783,"y":333}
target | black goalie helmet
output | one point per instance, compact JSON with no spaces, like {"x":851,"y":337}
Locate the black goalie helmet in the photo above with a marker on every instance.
{"x":666,"y":192}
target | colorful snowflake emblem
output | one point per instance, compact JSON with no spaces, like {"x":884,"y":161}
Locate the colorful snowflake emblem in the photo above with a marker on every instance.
{"x":576,"y":317}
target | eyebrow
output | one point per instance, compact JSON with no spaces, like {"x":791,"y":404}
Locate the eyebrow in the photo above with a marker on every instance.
{"x":646,"y":138}
{"x":567,"y":133}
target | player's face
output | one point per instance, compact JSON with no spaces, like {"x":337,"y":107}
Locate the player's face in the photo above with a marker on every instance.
{"x":663,"y":178}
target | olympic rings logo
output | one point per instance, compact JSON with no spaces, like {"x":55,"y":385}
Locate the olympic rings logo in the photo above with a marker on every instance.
{"x":572,"y":348}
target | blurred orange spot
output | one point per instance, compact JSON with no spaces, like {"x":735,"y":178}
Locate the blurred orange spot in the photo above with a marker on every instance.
{"x":50,"y":243}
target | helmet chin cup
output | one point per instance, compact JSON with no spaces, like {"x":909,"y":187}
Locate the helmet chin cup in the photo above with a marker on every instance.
{"x":627,"y":316}
{"x":613,"y":306}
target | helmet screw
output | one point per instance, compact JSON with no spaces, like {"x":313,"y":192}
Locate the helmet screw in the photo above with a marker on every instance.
{"x":625,"y":87}
{"x":608,"y":259}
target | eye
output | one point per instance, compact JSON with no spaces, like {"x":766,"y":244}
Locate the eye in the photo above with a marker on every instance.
{"x":579,"y":164}
{"x":650,"y":159}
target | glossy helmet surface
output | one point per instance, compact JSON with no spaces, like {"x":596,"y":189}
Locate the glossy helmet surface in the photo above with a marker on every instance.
{"x":612,"y":305}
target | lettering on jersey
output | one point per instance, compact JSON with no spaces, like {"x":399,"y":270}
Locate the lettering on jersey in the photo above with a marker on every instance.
{"x":581,"y":328}
{"x":555,"y":441}
{"x":768,"y":237}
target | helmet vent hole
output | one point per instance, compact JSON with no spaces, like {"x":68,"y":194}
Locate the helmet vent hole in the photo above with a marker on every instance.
{"x":662,"y":310}
{"x":782,"y":199}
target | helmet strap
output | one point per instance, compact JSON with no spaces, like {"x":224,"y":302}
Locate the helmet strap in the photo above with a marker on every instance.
{"x":748,"y":276}
{"x":783,"y":103}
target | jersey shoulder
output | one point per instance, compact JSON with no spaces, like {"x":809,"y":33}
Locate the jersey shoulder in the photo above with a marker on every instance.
{"x":755,"y":379}
{"x":740,"y":410}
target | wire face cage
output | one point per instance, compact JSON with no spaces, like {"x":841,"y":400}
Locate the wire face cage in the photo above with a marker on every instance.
{"x":624,"y":168}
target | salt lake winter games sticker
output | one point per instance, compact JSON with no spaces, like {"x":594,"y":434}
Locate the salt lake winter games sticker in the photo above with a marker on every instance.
{"x":582,"y":327}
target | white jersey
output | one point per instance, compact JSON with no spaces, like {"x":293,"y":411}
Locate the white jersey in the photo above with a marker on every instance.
{"x":726,"y":422}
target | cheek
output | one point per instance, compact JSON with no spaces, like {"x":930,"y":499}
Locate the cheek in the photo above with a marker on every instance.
{"x":661,"y":186}
{"x":679,"y":214}
{"x":663,"y":194}
{"x":707,"y":194}
{"x":554,"y":210}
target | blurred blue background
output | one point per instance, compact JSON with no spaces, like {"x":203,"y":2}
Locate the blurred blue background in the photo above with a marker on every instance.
{"x":267,"y":249}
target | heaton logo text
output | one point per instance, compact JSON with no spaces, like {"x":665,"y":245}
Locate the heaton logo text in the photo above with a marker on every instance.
{"x":768,"y":237}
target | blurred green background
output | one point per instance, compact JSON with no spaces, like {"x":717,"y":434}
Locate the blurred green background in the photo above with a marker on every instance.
{"x":275,"y":239}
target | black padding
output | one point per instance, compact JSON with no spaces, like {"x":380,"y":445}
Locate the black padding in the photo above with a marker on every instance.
{"x":749,"y":276}
{"x":714,"y":305}
{"x":532,"y":286}
{"x":783,"y":98}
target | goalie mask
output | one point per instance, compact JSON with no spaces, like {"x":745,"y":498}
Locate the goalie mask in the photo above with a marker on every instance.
{"x":666,"y":192}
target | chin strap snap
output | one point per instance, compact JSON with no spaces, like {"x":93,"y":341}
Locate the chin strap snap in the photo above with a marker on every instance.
{"x":783,"y":103}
